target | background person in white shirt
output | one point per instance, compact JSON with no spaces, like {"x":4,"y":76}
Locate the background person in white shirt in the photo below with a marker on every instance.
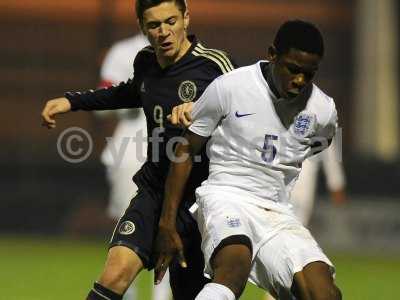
{"x":305,"y":189}
{"x":264,"y":120}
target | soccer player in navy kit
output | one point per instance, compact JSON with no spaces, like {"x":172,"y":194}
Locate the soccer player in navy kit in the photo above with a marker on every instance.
{"x":175,"y":69}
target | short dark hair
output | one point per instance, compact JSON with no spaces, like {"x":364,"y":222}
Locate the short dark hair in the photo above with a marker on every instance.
{"x":300,"y":35}
{"x":142,"y":5}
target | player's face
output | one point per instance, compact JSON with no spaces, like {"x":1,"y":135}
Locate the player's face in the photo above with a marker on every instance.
{"x":165,"y":27}
{"x":293,"y":71}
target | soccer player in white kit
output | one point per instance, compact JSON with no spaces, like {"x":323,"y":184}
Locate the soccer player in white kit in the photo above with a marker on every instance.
{"x":125,"y":153}
{"x":263,"y":121}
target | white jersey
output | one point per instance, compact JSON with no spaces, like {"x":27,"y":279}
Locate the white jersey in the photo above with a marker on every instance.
{"x":250,"y":151}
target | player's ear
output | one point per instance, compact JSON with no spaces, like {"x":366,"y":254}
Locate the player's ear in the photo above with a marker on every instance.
{"x":272,"y":53}
{"x":186,"y":20}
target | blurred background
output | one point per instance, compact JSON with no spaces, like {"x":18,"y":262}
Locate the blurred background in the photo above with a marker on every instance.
{"x":49,"y":47}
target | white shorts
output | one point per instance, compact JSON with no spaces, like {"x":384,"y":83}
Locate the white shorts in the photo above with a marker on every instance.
{"x":282,"y":246}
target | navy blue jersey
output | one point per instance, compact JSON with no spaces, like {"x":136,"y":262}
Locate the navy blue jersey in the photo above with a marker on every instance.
{"x":158,"y":90}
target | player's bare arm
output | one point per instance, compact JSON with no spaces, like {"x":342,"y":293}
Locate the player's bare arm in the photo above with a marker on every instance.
{"x":181,"y":114}
{"x":169,"y":244}
{"x":52,"y":108}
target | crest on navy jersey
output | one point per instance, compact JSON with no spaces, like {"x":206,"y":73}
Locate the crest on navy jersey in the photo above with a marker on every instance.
{"x":187,"y":91}
{"x":304,"y":124}
{"x":142,"y":88}
{"x":126,"y":228}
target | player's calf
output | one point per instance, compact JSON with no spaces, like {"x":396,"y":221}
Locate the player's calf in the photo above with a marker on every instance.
{"x":121,"y":268}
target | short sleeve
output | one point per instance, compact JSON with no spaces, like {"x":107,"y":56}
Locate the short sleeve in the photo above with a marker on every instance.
{"x":208,"y":110}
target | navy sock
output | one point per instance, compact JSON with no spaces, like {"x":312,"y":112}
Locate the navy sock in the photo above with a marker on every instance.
{"x":100,"y":292}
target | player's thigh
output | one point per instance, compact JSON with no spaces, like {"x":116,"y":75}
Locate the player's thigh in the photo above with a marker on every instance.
{"x":219,"y":220}
{"x":286,"y":254}
{"x":121,"y":268}
{"x":137,"y":228}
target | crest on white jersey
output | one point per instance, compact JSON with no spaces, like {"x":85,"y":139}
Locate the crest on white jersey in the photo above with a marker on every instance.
{"x":304,"y":124}
{"x":187,"y":91}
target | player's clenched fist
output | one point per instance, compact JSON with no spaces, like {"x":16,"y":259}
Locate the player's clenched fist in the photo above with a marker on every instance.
{"x":181,"y":114}
{"x":52,"y":108}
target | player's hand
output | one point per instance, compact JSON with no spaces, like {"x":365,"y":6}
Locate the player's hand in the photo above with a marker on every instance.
{"x":168,"y":245}
{"x":52,"y":108}
{"x":181,"y":114}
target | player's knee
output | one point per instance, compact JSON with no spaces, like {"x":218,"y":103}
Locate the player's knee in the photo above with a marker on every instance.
{"x":234,"y":278}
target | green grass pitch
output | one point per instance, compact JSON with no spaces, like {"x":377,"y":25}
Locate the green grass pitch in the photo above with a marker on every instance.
{"x":64,"y":269}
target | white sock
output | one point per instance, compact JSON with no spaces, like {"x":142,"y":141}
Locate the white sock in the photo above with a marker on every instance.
{"x":215,"y":291}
